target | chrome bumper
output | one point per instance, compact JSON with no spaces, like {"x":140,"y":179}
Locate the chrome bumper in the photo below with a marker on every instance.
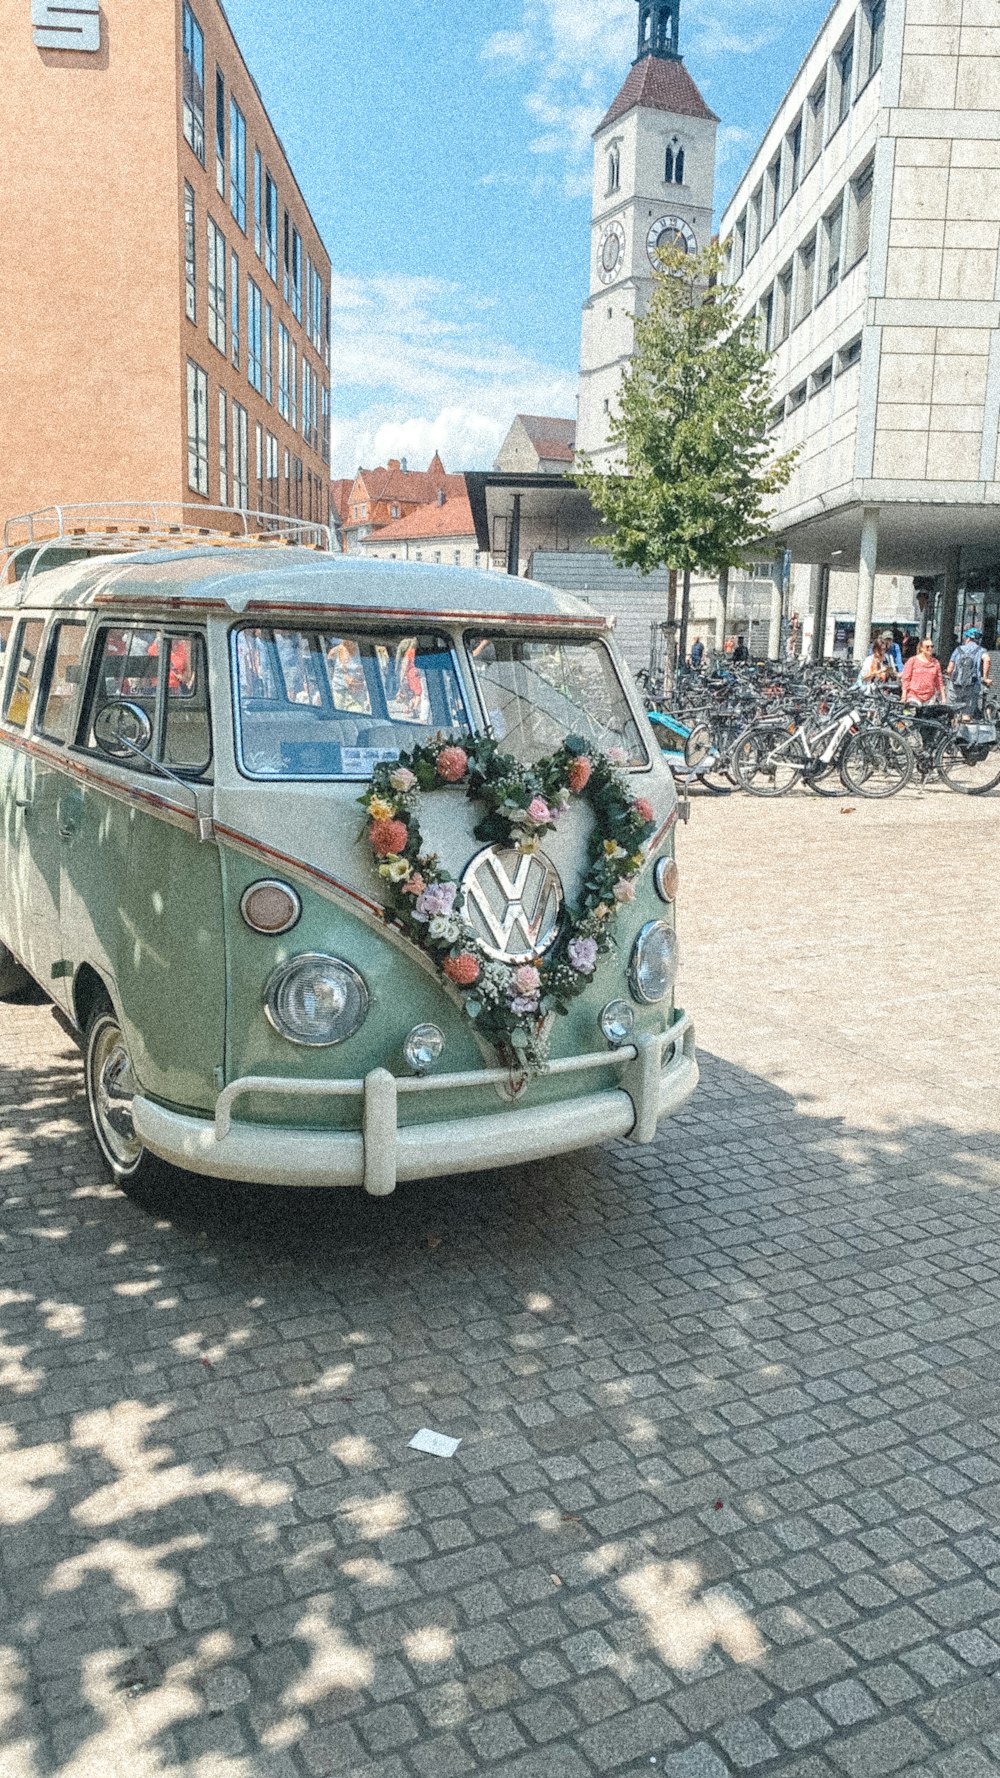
{"x":658,"y":1075}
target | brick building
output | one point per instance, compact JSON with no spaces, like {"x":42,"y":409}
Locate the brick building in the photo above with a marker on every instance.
{"x":165,"y":290}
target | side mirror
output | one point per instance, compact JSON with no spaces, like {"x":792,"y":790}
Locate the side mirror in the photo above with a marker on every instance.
{"x":122,"y":730}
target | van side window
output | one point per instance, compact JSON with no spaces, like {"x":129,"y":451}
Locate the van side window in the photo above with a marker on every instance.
{"x":19,"y":690}
{"x":57,"y":705}
{"x":167,"y":676}
{"x":6,"y":625}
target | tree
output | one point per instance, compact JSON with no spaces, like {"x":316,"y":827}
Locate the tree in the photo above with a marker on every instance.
{"x":697,"y":471}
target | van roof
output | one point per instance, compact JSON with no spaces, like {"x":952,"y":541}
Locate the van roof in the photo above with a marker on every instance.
{"x":294,"y":581}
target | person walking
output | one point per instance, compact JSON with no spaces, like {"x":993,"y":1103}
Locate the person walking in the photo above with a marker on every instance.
{"x":878,"y":668}
{"x":969,"y":673}
{"x":697,"y":653}
{"x":741,"y":653}
{"x":923,"y":681}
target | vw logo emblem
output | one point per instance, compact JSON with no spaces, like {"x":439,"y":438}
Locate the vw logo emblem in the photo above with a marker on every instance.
{"x":513,"y":902}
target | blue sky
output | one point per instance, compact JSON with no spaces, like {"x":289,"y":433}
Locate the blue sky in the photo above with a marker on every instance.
{"x":445,"y":153}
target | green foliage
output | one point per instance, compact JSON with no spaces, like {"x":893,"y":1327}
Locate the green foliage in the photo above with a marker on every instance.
{"x":698,"y":473}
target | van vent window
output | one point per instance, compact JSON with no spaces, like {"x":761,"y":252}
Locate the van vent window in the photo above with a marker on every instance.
{"x":19,"y":690}
{"x":62,"y":682}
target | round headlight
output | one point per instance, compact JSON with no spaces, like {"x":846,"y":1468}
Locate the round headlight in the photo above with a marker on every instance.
{"x":617,"y":1022}
{"x":653,"y":969}
{"x":317,"y":1001}
{"x":667,"y":879}
{"x":271,"y":908}
{"x":423,"y":1047}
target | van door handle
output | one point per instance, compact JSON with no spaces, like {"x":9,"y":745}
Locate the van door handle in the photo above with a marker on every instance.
{"x":67,"y":829}
{"x":23,"y":802}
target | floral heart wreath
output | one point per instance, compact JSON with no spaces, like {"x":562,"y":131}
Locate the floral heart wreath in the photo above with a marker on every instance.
{"x":509,"y":1005}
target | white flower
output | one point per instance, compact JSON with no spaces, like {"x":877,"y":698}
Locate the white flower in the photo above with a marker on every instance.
{"x":443,"y":928}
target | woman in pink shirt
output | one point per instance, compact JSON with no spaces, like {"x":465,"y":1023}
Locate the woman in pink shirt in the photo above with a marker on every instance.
{"x":922,"y":678}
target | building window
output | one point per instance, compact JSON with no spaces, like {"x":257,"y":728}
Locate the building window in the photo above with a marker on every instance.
{"x":286,"y":283}
{"x":859,"y":221}
{"x":833,"y":233}
{"x":297,"y":485}
{"x":850,"y":356}
{"x":458,"y":558}
{"x":238,"y":164}
{"x":766,"y":316}
{"x":876,"y":36}
{"x":673,"y":172}
{"x":197,"y":428}
{"x":296,"y":274}
{"x":234,"y":310}
{"x":241,"y":467}
{"x":314,"y":305}
{"x":797,"y":398}
{"x":815,"y":110}
{"x":218,"y":320}
{"x":268,"y":353}
{"x":737,"y":250}
{"x":220,"y":133}
{"x":324,"y":441}
{"x":223,"y":451}
{"x":753,"y":222}
{"x":772,"y":188}
{"x":783,"y":306}
{"x":614,"y":169}
{"x":190,"y":258}
{"x":822,"y":378}
{"x":255,"y":317}
{"x":272,"y":473}
{"x":259,"y":430}
{"x":844,"y":64}
{"x":293,"y":384}
{"x":258,"y":201}
{"x":284,"y":353}
{"x":793,"y":160}
{"x":194,"y":83}
{"x":806,"y":279}
{"x":271,"y":227}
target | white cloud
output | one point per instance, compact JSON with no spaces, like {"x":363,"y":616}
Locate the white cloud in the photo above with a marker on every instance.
{"x":417,"y":368}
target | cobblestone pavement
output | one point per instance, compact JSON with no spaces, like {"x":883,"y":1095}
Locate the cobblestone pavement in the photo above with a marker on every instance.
{"x":728,"y":1498}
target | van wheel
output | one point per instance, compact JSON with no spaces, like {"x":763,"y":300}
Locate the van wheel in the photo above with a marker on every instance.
{"x":110,"y":1087}
{"x":13,"y":979}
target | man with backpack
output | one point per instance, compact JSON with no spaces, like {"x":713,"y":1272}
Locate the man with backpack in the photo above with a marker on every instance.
{"x":969,"y":673}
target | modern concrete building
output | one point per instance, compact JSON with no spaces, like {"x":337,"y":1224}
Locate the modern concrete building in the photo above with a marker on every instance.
{"x":654,"y":186}
{"x":865,"y":236}
{"x":165,"y":292}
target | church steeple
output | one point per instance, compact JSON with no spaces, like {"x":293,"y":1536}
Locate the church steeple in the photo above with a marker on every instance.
{"x":659,"y":29}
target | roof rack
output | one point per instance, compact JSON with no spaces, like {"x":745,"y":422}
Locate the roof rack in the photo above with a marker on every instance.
{"x":126,"y":526}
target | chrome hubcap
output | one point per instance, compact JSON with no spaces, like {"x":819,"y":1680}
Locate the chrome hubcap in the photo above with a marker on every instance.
{"x":113,"y":1094}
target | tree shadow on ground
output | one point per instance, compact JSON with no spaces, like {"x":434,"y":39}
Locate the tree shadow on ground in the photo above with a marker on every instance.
{"x":674,"y":1371}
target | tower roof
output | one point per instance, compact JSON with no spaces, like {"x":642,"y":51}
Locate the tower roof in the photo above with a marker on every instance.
{"x":658,"y":83}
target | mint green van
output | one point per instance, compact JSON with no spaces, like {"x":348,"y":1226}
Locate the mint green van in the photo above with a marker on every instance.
{"x":187,"y":724}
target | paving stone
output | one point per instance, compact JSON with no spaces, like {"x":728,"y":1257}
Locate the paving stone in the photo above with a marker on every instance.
{"x":888,"y":1746}
{"x":745,"y":1744}
{"x":847,"y":1702}
{"x":797,"y":1724}
{"x":646,"y":1729}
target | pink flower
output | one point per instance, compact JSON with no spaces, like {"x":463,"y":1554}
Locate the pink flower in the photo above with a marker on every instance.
{"x":438,"y":899}
{"x":527,"y":980}
{"x":403,"y":780}
{"x":625,"y":890}
{"x":388,"y":838}
{"x":539,"y":811}
{"x":579,"y":774}
{"x":463,"y":969}
{"x":414,"y":885}
{"x":644,"y":808}
{"x":452,"y":765}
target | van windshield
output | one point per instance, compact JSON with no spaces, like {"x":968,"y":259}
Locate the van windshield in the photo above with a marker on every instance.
{"x":538,"y":691}
{"x":328,"y":704}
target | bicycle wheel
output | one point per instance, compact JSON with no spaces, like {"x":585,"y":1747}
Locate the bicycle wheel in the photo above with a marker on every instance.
{"x":758,"y":765}
{"x":877,"y":762}
{"x":970,"y":770}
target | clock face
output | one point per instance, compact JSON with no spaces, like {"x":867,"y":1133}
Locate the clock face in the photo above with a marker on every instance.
{"x":611,"y":253}
{"x":670,"y":231}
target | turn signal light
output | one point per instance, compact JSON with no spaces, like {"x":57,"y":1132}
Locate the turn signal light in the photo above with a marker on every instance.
{"x":271,"y":908}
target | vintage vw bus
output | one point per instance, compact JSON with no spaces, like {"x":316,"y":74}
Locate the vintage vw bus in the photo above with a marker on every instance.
{"x":186,"y":727}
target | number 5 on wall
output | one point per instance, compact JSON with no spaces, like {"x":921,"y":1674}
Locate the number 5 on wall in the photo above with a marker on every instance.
{"x":66,"y":24}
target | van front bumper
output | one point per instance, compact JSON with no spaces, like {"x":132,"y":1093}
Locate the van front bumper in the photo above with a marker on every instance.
{"x":658,"y":1075}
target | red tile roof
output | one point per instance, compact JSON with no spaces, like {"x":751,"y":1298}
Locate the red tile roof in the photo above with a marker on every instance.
{"x":657,"y":83}
{"x":453,"y":518}
{"x":554,"y":439}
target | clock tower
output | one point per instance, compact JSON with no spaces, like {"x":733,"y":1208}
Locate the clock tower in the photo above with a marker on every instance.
{"x":654,"y":185}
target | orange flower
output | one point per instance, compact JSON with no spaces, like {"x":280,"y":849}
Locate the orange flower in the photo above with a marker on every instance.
{"x":462,"y":969}
{"x":414,"y":885}
{"x":578,"y":776}
{"x":388,"y":838}
{"x":452,"y":765}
